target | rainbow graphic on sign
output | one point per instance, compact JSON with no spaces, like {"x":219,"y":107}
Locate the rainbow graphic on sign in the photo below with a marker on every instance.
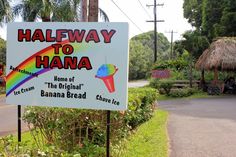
{"x":15,"y":79}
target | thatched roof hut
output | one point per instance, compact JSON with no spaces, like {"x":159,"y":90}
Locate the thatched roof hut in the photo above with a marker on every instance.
{"x":221,"y":55}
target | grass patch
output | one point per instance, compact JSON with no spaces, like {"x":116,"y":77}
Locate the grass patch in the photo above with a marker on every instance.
{"x":25,"y":137}
{"x":150,"y":139}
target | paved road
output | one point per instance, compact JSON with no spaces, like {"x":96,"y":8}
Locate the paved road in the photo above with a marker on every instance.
{"x":202,"y":127}
{"x":8,"y":118}
{"x":139,"y":83}
{"x":8,"y":113}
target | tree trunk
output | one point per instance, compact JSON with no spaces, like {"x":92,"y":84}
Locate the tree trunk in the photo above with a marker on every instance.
{"x":93,"y":11}
{"x":202,"y":81}
{"x":84,"y":17}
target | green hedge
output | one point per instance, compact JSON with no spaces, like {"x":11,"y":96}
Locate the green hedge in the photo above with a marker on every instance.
{"x":183,"y":92}
{"x":83,"y":132}
{"x":164,"y":86}
{"x":141,"y":106}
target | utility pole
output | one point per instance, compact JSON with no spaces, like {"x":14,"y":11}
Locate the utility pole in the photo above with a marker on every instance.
{"x":155,"y":26}
{"x":171,"y":43}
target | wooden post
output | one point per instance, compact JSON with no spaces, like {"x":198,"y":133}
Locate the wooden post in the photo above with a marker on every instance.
{"x":93,"y":11}
{"x":202,"y":81}
{"x":84,"y":17}
{"x":108,"y":134}
{"x":19,"y":122}
{"x":203,"y":76}
{"x":215,"y":76}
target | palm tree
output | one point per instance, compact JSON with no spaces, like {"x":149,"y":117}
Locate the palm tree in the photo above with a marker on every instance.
{"x":5,"y":11}
{"x":103,"y":15}
{"x":50,"y":10}
{"x":30,"y":10}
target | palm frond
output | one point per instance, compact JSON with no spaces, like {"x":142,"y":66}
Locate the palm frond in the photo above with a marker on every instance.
{"x":5,"y":11}
{"x":103,"y":15}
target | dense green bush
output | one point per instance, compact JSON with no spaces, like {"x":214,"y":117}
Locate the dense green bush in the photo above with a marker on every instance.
{"x":73,"y":130}
{"x":11,"y":148}
{"x":181,"y":62}
{"x":164,"y":86}
{"x":140,"y":60}
{"x":183,"y":92}
{"x":141,"y":106}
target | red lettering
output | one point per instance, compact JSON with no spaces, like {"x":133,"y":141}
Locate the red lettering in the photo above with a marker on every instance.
{"x":56,"y":48}
{"x":84,"y":63}
{"x":107,"y":36}
{"x":70,"y":62}
{"x":24,"y":35}
{"x":92,"y":36}
{"x":56,"y":63}
{"x":42,"y":61}
{"x":76,"y":35}
{"x":67,"y":49}
{"x":60,"y":34}
{"x":49,"y":37}
{"x":38,"y":35}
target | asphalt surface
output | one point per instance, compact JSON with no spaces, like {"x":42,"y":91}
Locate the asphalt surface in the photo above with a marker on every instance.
{"x":8,"y":118}
{"x":202,"y":127}
{"x":135,"y":84}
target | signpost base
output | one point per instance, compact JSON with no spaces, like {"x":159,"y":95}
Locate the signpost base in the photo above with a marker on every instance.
{"x":19,"y":122}
{"x":108,"y":133}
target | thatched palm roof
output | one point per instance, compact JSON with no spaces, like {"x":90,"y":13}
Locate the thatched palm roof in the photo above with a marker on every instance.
{"x":221,"y":55}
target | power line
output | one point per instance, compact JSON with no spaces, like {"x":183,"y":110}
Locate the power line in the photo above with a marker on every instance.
{"x":144,"y":9}
{"x":127,"y":17}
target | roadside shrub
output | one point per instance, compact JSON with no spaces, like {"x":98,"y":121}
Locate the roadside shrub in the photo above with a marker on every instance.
{"x":84,"y":131}
{"x":183,"y":92}
{"x":141,"y":106}
{"x":69,"y":129}
{"x":11,"y":148}
{"x":164,"y":86}
{"x":178,"y":64}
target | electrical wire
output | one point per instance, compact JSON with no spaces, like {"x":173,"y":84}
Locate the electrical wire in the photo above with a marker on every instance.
{"x":145,"y":10}
{"x":128,"y":17}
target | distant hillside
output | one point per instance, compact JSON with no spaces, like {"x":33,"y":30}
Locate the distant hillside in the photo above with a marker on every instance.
{"x":147,"y":39}
{"x":141,"y":55}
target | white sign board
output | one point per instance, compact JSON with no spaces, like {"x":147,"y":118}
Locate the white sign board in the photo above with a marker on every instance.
{"x":76,"y":65}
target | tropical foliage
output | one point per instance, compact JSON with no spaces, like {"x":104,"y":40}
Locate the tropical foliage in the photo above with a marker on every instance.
{"x":2,"y":51}
{"x":5,"y":11}
{"x":212,"y":18}
{"x":83,"y":132}
{"x":141,"y":54}
{"x":47,"y":10}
